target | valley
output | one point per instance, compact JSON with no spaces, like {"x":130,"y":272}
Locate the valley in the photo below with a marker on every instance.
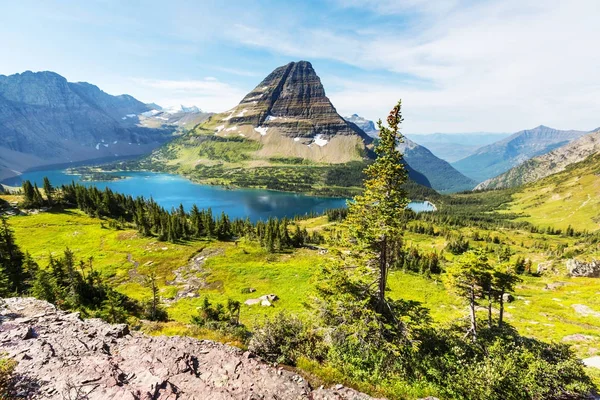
{"x":344,"y":251}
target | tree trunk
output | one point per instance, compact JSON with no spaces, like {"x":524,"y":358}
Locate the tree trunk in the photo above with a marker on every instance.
{"x":382,"y":274}
{"x":490,"y":309}
{"x":473,"y":319}
{"x":501,"y":315}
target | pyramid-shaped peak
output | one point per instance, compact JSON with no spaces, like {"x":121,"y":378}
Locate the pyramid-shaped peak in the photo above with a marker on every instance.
{"x":292,"y":100}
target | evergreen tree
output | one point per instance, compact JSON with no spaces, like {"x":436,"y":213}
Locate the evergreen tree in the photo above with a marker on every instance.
{"x":374,"y":218}
{"x":11,"y":259}
{"x":470,"y":277}
{"x":49,"y":190}
{"x":38,"y":200}
{"x":28,"y":194}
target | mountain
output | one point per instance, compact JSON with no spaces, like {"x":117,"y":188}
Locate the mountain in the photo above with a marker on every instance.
{"x":542,"y":166}
{"x":285,"y":134}
{"x":46,"y":120}
{"x":290,"y":115}
{"x":499,"y":157}
{"x":440,"y":175}
{"x":452,"y":147}
{"x":570,"y":197}
{"x":366,"y":125}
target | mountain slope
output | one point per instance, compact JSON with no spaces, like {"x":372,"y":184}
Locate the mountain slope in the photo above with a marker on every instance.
{"x":452,"y":147}
{"x":570,"y":197}
{"x":499,"y":157}
{"x":46,"y":120}
{"x":285,"y":134}
{"x":440,"y":175}
{"x":542,"y":166}
{"x":289,"y":114}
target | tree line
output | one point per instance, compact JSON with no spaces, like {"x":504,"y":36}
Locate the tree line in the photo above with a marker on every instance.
{"x":152,"y":220}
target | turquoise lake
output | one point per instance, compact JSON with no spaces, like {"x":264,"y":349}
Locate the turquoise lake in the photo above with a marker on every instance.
{"x":170,"y":190}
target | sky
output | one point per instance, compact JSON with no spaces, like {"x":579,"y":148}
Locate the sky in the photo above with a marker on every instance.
{"x":457,"y":65}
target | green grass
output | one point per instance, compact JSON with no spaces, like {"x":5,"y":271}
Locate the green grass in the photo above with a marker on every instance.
{"x":571,"y":197}
{"x":544,"y":314}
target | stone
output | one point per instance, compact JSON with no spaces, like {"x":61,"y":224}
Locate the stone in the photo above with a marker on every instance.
{"x":543,"y":267}
{"x":579,"y":268}
{"x":554,"y":285}
{"x":91,"y":359}
{"x":592,"y":362}
{"x":508,"y":298}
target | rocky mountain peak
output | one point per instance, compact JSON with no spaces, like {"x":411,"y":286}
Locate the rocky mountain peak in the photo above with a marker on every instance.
{"x":293,"y":100}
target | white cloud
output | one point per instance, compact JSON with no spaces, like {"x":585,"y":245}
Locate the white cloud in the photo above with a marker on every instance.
{"x":209,"y":93}
{"x":494,"y":65}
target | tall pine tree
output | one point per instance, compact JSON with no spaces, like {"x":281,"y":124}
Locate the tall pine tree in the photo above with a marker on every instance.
{"x":374,"y":218}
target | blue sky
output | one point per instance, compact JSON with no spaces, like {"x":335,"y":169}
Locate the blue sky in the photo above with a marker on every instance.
{"x":458,"y":65}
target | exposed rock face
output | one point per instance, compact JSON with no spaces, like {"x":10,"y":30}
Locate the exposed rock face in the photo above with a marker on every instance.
{"x":46,"y":120}
{"x":292,"y":99}
{"x":60,"y":356}
{"x":584,"y":269}
{"x":290,"y":115}
{"x":540,"y":167}
{"x":494,"y":159}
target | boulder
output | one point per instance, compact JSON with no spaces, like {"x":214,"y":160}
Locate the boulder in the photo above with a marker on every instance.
{"x":544,"y":266}
{"x":508,"y":298}
{"x":583,"y":269}
{"x":269,"y":297}
{"x":61,"y":357}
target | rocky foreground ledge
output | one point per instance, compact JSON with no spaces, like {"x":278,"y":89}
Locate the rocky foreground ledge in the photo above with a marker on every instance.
{"x":61,"y":356}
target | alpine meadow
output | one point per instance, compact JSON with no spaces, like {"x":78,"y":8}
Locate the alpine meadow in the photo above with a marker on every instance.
{"x":215,"y":235}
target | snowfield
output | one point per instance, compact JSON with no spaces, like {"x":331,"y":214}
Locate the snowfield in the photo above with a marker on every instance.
{"x":262,"y":130}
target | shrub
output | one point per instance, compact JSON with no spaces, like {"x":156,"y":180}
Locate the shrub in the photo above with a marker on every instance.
{"x":283,"y":339}
{"x":7,"y":366}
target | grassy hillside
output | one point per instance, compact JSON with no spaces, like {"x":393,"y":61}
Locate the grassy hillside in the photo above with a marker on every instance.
{"x":571,"y":197}
{"x":124,"y":256}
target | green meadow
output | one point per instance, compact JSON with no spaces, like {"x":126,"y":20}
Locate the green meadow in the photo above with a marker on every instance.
{"x":553,"y":307}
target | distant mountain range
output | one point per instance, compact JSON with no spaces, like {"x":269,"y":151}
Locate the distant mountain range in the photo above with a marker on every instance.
{"x":551,"y":163}
{"x":366,"y":125}
{"x":439,"y":173}
{"x":452,"y":147}
{"x":46,"y":120}
{"x":494,"y":159}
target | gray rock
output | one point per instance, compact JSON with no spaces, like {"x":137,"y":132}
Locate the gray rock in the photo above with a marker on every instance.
{"x":508,"y":298}
{"x":584,"y":269}
{"x":71,"y":358}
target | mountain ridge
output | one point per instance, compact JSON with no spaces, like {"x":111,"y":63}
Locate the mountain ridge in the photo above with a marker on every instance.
{"x":545,"y":165}
{"x":440,"y":175}
{"x":45,"y":120}
{"x":499,"y":157}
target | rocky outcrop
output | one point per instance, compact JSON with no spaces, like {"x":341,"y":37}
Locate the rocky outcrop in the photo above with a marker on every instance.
{"x":61,"y":356}
{"x":584,"y":269}
{"x":46,"y":120}
{"x":540,"y":167}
